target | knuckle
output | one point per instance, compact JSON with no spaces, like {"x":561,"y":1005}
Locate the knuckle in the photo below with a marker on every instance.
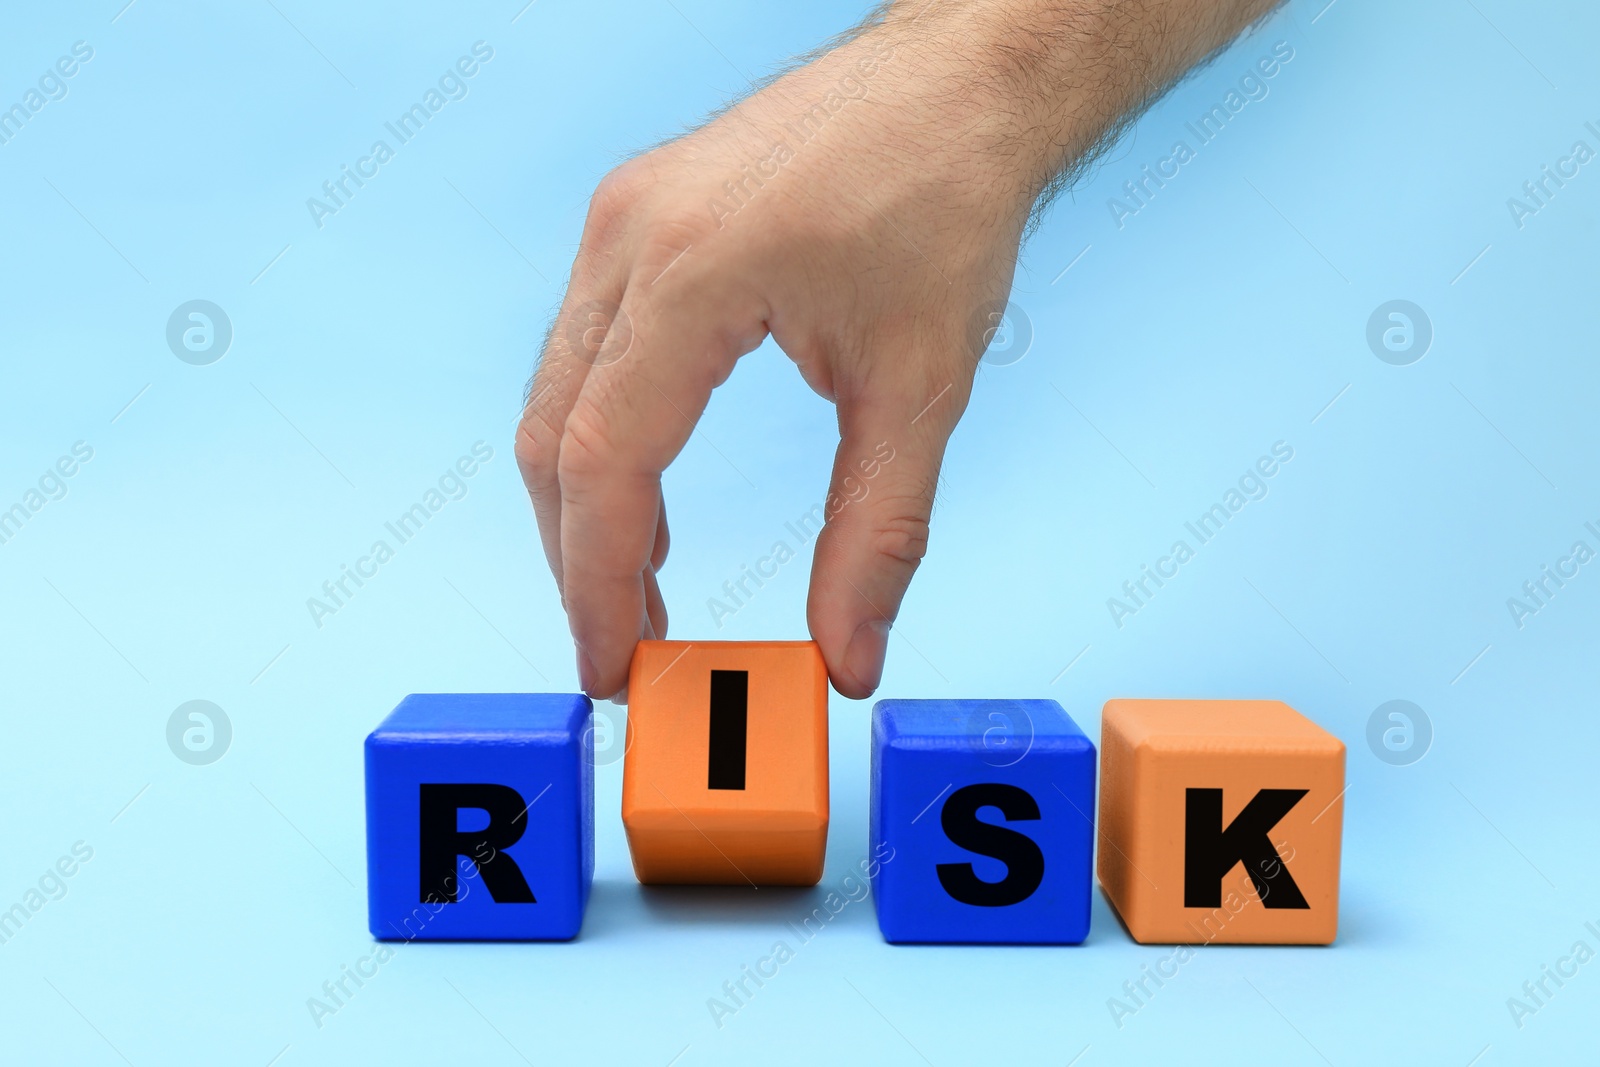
{"x":536,"y":449}
{"x":613,"y":201}
{"x":672,"y":225}
{"x":585,"y":448}
{"x":667,"y":241}
{"x":539,"y":429}
{"x":901,"y":538}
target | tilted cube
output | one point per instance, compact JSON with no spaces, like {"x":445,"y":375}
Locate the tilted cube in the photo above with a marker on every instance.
{"x":725,"y":781}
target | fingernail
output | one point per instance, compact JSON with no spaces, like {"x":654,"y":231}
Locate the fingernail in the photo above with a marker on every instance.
{"x":863,"y":659}
{"x":587,"y":674}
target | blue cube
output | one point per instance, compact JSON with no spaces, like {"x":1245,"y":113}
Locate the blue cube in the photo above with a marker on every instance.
{"x":982,"y":821}
{"x":480,"y":818}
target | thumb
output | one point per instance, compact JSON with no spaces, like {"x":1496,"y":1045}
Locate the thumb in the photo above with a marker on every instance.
{"x":876,"y":525}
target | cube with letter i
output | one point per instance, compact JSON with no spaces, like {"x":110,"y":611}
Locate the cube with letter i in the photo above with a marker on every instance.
{"x":725,"y":781}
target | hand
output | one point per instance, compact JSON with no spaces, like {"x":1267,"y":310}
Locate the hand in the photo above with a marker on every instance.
{"x":866,"y":211}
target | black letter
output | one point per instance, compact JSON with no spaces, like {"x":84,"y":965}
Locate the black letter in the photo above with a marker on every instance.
{"x":730,"y":695}
{"x":1024,"y":862}
{"x":1210,"y":851}
{"x":440,"y":842}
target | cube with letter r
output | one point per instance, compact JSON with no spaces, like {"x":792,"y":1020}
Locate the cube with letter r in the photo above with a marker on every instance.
{"x":983,"y":821}
{"x":480,"y":818}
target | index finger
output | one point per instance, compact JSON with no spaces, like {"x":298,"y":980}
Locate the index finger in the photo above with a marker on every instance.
{"x":631,"y":419}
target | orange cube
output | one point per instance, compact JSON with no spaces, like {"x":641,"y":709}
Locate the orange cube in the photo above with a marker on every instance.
{"x":1220,"y":821}
{"x":726,"y":776}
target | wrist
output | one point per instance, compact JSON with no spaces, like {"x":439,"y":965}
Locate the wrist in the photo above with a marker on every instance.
{"x":938,"y":100}
{"x":1026,"y":86}
{"x":1041,"y":84}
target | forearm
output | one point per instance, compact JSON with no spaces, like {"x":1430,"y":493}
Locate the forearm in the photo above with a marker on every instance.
{"x":1046,"y":82}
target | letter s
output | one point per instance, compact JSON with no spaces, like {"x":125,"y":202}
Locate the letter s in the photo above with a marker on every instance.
{"x":1024,"y":862}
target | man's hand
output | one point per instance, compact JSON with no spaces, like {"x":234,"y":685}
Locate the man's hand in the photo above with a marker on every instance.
{"x":866,"y":211}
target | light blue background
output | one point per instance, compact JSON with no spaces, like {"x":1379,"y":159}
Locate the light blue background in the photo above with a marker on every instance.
{"x":372,"y":353}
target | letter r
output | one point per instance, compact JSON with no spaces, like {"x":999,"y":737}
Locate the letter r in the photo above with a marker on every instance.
{"x":440,"y":843}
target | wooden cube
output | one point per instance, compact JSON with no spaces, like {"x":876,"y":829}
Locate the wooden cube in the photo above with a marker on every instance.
{"x":982,"y":822}
{"x":726,"y":777}
{"x":1220,"y":822}
{"x":480,"y":817}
